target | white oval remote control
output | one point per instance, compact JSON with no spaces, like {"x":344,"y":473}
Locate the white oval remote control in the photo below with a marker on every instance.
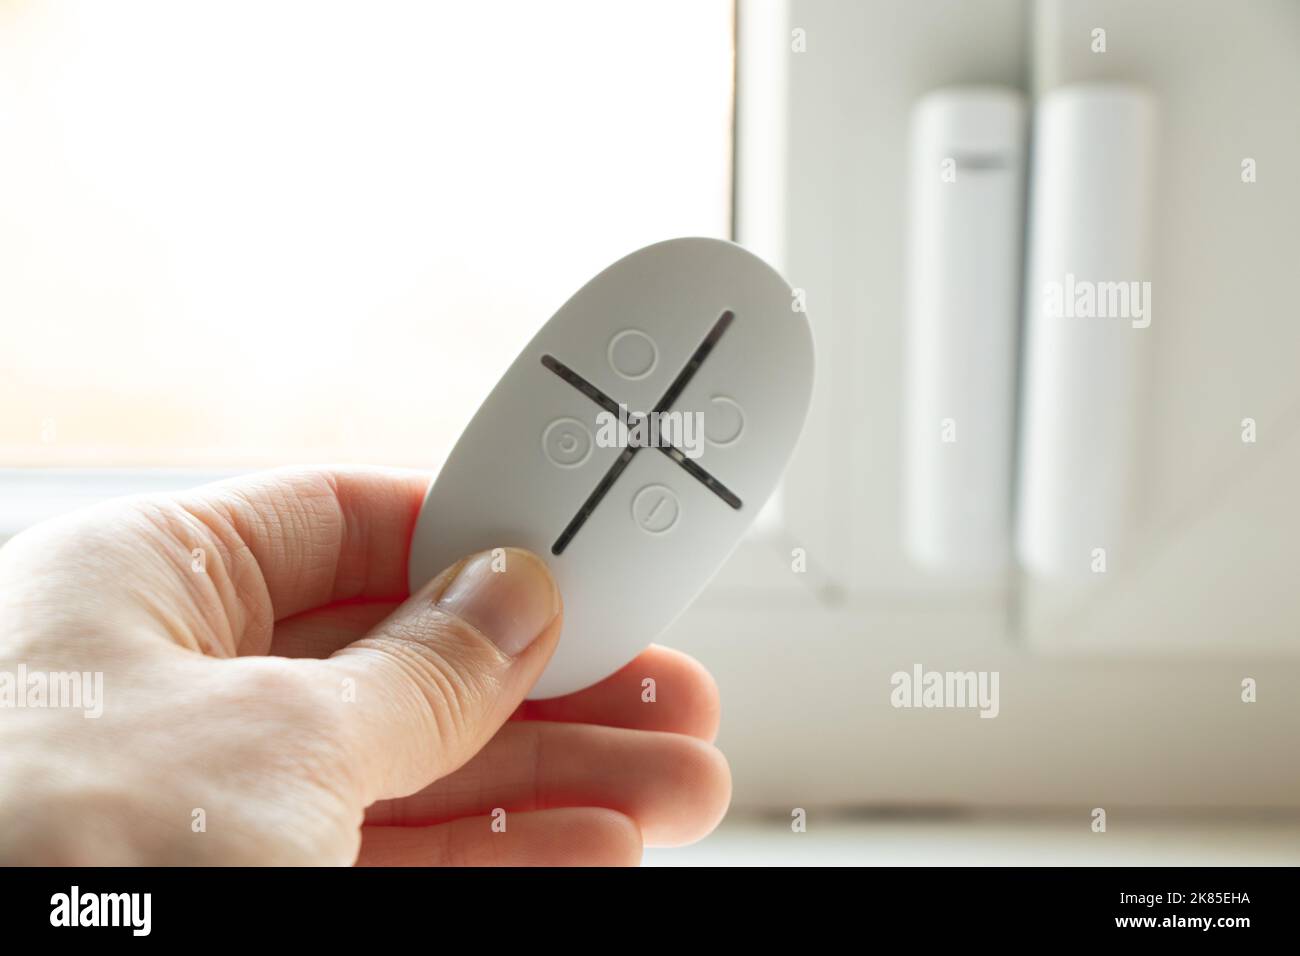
{"x":631,"y":444}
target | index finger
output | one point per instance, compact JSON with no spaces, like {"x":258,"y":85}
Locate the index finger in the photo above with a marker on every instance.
{"x":317,"y":535}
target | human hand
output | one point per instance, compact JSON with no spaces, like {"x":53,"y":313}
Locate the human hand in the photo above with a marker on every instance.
{"x":268,"y":696}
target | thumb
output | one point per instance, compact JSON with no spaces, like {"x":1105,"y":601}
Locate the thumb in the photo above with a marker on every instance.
{"x":436,"y":679}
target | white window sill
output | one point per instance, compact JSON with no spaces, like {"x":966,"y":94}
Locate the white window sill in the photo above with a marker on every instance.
{"x":1150,"y":838}
{"x":29,"y":495}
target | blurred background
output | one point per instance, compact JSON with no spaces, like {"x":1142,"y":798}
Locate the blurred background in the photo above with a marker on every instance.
{"x":245,"y":234}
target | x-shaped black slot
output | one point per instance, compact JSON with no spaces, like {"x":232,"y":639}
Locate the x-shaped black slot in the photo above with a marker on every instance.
{"x":625,"y":458}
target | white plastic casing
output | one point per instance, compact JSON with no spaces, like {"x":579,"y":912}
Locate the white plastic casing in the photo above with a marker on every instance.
{"x":530,"y":459}
{"x":1094,"y":162}
{"x":964,"y":298}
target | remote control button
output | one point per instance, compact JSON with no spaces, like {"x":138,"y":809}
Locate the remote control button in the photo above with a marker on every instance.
{"x":567,"y":442}
{"x":633,"y":354}
{"x":724,"y":422}
{"x":655,"y":509}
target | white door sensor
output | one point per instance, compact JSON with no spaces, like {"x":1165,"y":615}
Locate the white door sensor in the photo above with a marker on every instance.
{"x":630,"y":445}
{"x":1088,"y":311}
{"x":963,"y":316}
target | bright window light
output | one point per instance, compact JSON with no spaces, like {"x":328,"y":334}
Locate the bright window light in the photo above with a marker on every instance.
{"x":244,"y":233}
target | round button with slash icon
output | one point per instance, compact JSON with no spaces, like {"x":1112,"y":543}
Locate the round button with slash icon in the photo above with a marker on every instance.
{"x":655,"y":509}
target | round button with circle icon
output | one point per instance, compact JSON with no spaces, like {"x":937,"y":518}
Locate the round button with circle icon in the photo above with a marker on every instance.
{"x":724,"y":422}
{"x":633,"y":354}
{"x":655,"y":509}
{"x":567,"y":442}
